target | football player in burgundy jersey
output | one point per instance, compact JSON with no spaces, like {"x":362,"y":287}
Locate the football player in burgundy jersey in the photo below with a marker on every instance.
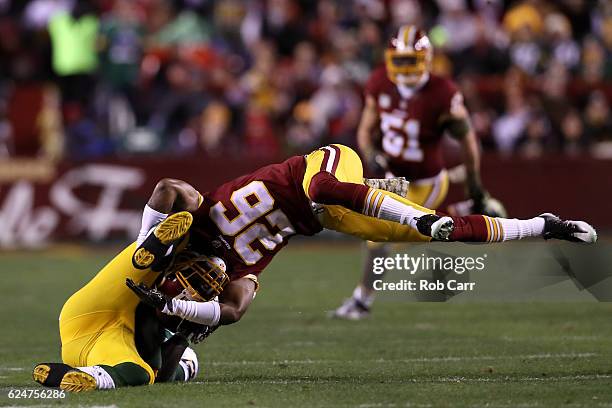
{"x":411,"y":108}
{"x":246,"y":221}
{"x":218,"y":242}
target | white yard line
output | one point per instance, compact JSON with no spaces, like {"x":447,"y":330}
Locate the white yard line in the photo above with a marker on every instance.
{"x":415,"y":380}
{"x":407,"y":360}
{"x":66,"y":406}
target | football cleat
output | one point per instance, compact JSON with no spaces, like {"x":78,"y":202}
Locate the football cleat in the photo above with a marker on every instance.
{"x":152,"y":251}
{"x":351,"y":309}
{"x":41,"y":373}
{"x":78,"y":381}
{"x":436,"y":227}
{"x":575,"y":231}
{"x":63,"y":376}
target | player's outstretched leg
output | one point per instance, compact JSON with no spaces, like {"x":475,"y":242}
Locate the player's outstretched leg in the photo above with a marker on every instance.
{"x":98,"y":377}
{"x":326,"y":189}
{"x":152,"y":251}
{"x":481,"y":228}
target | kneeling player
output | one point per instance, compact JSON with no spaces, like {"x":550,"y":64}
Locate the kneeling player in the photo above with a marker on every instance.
{"x":109,"y":339}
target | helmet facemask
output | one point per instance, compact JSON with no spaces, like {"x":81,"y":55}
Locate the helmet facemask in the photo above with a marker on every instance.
{"x":203,"y":277}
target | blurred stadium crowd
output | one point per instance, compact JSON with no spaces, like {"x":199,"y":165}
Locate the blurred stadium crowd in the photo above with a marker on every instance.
{"x":100,"y":78}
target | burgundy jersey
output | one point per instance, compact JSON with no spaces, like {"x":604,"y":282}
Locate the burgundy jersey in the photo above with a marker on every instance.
{"x":412,"y":127}
{"x":246,"y":221}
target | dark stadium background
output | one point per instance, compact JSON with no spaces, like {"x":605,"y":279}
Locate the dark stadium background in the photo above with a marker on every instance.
{"x":96,"y":107}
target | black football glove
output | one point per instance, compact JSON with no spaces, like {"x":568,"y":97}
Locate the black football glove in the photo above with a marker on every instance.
{"x":478,"y":195}
{"x":479,"y":203}
{"x":150,"y":296}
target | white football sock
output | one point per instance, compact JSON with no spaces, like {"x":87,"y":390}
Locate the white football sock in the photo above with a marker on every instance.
{"x":506,"y":229}
{"x":360,"y":295}
{"x":103,"y":379}
{"x":150,"y":218}
{"x":189,"y":364}
{"x":207,"y":313}
{"x":395,"y":210}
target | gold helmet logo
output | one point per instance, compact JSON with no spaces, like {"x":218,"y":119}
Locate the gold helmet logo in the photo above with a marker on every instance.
{"x":408,"y":57}
{"x":202,"y":277}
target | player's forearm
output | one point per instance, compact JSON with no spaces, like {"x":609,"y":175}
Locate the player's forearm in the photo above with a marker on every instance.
{"x":168,"y":195}
{"x":236,"y":299}
{"x":471,"y":159}
{"x":364,"y":142}
{"x":230,"y":314}
{"x":206,"y":313}
{"x":367,"y":124}
{"x":173,"y":195}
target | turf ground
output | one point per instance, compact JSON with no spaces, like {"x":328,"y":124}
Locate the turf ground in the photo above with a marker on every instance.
{"x":286,"y":352}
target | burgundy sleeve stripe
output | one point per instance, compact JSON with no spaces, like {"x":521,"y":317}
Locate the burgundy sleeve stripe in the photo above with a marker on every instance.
{"x":330,"y":159}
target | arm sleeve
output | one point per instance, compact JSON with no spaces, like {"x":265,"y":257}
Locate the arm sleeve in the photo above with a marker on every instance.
{"x":206,"y":313}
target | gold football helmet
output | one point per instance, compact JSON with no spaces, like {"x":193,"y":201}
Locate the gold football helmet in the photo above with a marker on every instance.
{"x":408,"y":56}
{"x":202,"y":277}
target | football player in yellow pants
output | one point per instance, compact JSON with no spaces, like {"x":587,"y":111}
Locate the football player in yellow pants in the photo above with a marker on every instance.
{"x":98,"y":328}
{"x":110,"y":339}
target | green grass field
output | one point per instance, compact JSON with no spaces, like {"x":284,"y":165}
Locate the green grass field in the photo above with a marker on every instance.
{"x":287,"y":353}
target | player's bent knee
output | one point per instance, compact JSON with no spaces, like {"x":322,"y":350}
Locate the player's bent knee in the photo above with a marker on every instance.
{"x":322,"y":188}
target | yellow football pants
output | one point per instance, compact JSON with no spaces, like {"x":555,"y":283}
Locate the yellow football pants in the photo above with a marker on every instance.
{"x":429,"y":192}
{"x":344,"y":163}
{"x":97,"y":323}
